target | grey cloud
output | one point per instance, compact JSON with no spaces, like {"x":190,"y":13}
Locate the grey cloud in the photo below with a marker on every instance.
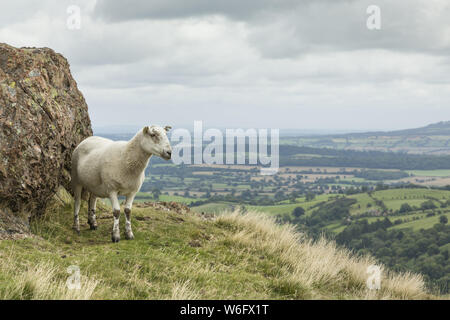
{"x":287,"y":28}
{"x":412,"y":26}
{"x":270,"y":63}
{"x":167,"y":9}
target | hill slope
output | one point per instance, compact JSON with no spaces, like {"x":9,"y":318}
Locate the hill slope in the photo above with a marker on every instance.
{"x":431,"y":139}
{"x":439,"y":128}
{"x":185,"y":256}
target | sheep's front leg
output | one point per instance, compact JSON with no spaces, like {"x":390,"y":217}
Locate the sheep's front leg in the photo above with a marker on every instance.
{"x":115,"y":236}
{"x":76,"y":208}
{"x":128,"y":204}
{"x":92,"y":221}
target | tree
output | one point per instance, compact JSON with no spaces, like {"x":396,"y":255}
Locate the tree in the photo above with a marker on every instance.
{"x":405,"y":208}
{"x":298,"y":212}
{"x":429,"y":204}
{"x":279,"y":195}
{"x":156,"y":193}
{"x":310,"y":196}
{"x":433,"y":249}
{"x":443,"y":219}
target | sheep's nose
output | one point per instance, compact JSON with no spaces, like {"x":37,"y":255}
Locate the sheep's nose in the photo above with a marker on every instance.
{"x":169,"y":153}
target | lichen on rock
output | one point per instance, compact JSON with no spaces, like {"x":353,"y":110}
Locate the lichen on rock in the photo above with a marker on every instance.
{"x":43,"y":117}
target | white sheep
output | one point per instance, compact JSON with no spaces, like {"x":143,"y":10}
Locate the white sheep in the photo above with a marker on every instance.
{"x":106,"y":169}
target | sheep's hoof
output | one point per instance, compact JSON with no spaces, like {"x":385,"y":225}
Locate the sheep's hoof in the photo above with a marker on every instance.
{"x":129,"y":236}
{"x":115,"y":238}
{"x":77,"y":230}
{"x":92,"y":226}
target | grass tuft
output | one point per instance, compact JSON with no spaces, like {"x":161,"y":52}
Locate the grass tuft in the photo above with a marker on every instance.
{"x":40,"y":282}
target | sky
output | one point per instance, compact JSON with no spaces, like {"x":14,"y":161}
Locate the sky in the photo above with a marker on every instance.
{"x":304,"y":64}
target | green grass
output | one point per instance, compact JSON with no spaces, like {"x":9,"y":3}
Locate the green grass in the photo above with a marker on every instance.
{"x":362,"y":205}
{"x":169,"y":249}
{"x":335,"y":227}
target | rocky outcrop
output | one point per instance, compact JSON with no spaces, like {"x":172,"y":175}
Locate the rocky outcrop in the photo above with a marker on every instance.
{"x":43,"y":116}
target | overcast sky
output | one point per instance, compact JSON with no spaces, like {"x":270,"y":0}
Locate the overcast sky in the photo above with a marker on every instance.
{"x":306,"y":64}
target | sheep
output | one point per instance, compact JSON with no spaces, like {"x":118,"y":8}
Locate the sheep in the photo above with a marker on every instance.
{"x":106,"y":169}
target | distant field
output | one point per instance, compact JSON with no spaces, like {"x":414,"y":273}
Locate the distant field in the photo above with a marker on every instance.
{"x":425,"y":223}
{"x":392,"y":199}
{"x":364,"y":203}
{"x":421,"y":143}
{"x":421,"y":215}
{"x":430,"y":173}
{"x":413,"y":193}
{"x":147,"y":196}
{"x":281,"y":208}
{"x":286,"y":207}
{"x":277,"y":209}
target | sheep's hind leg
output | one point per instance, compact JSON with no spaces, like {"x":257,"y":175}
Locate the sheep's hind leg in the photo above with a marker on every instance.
{"x":128,"y":232}
{"x":115,"y":235}
{"x":76,"y":208}
{"x":92,"y":221}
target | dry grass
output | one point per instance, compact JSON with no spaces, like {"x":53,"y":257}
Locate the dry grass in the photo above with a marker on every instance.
{"x":319,"y":268}
{"x":183,"y":291}
{"x":40,"y":282}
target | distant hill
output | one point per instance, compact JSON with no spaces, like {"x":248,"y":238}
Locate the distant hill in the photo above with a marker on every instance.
{"x":431,"y":139}
{"x":435,"y":129}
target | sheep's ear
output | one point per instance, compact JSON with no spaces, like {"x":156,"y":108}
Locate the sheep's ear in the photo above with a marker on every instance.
{"x":150,"y":131}
{"x":167,"y":128}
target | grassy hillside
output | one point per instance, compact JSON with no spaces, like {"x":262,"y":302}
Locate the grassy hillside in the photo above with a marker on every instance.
{"x":184,"y":256}
{"x":391,"y":199}
{"x":423,"y":223}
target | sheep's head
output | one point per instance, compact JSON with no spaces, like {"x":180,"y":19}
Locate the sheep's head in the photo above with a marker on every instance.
{"x":155,"y":141}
